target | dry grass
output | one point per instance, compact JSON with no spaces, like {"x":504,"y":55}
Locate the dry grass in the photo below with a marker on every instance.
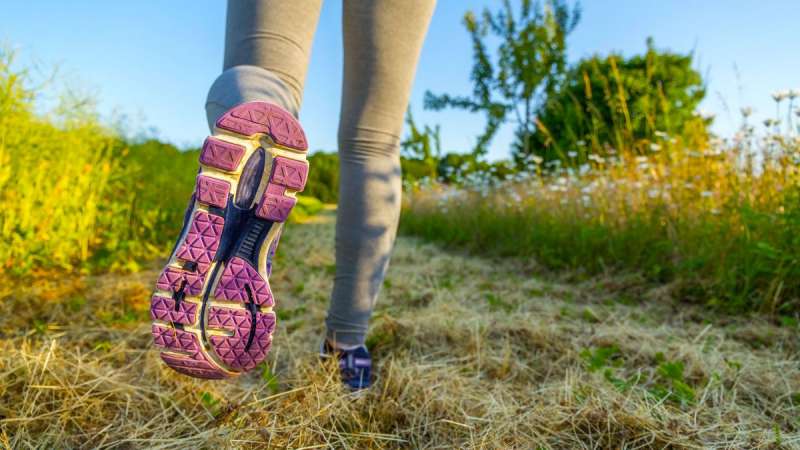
{"x":471,"y":353}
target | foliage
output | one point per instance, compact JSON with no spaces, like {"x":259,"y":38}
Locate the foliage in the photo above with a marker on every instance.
{"x":305,"y":208}
{"x":323,"y":177}
{"x":612,"y":102}
{"x":55,"y":174}
{"x":147,"y":199}
{"x":421,"y":149}
{"x":75,"y":195}
{"x":531,"y":59}
{"x":721,"y":224}
{"x":423,"y":159}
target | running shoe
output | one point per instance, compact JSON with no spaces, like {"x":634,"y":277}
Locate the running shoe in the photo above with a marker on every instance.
{"x":212,"y":308}
{"x":355,"y":365}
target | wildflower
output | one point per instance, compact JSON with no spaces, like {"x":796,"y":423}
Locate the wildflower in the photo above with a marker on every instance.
{"x":794,"y":93}
{"x":716,"y":141}
{"x":661,"y":134}
{"x":780,"y":96}
{"x":641,"y":159}
{"x":572,"y":154}
{"x":705,"y":115}
{"x":653,"y":193}
{"x":581,"y":143}
{"x":706,"y":194}
{"x":746,"y":111}
{"x":655,"y":147}
{"x":536,"y":159}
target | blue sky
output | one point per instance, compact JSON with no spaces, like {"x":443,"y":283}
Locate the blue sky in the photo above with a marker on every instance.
{"x":153,"y":61}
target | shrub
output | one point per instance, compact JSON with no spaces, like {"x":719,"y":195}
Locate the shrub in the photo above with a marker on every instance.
{"x":323,"y":177}
{"x":610,"y":101}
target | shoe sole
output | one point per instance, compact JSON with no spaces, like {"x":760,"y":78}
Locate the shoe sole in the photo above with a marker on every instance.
{"x":212,"y":309}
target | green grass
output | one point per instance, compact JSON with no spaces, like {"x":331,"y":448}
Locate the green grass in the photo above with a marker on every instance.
{"x":734,"y":248}
{"x":77,"y":196}
{"x":74,"y":194}
{"x":718,"y":220}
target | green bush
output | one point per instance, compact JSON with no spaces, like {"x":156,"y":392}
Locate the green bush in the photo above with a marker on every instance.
{"x":305,"y":208}
{"x":620,"y":102}
{"x":323,"y":177}
{"x":149,"y":196}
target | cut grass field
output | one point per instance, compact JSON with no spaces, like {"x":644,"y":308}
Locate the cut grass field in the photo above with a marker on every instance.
{"x":470,"y":353}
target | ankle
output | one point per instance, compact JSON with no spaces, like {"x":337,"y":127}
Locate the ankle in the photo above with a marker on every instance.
{"x":344,"y":341}
{"x":342,"y":346}
{"x":240,"y":84}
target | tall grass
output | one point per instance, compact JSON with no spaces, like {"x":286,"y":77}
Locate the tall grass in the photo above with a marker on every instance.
{"x":73,"y":193}
{"x":719,"y":218}
{"x":52,"y":180}
{"x":76,"y":195}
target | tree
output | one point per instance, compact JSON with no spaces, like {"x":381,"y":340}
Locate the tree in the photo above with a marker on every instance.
{"x":529,"y":63}
{"x":612,"y":101}
{"x":420,"y":150}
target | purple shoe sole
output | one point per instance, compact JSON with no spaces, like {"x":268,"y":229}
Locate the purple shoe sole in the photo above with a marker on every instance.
{"x":212,"y":309}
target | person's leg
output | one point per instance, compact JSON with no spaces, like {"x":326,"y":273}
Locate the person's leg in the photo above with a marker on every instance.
{"x":382,"y":42}
{"x":267,"y":48}
{"x":212,"y":305}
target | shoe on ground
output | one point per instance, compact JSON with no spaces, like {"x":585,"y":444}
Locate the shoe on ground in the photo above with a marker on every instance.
{"x":355,"y":365}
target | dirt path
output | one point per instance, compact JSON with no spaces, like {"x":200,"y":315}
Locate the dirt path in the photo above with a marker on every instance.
{"x":470,"y":353}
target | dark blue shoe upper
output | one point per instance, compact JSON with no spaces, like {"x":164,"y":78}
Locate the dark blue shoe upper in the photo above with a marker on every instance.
{"x":354,"y":365}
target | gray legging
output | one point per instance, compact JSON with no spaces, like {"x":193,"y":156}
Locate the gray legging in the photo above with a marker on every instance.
{"x":267,"y":48}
